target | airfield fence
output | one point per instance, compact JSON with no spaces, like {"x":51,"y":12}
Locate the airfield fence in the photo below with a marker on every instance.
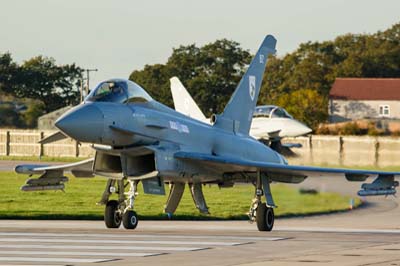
{"x":346,"y":150}
{"x":18,"y":142}
{"x":317,"y":149}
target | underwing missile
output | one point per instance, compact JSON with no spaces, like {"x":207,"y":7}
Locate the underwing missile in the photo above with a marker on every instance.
{"x":376,"y":192}
{"x":40,"y":188}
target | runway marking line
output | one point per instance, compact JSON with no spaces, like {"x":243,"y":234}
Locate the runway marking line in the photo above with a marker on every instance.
{"x":241,"y":244}
{"x":247,"y":238}
{"x":337,"y":230}
{"x":46,"y":259}
{"x":77,"y":253}
{"x":117,"y":241}
{"x":88,"y":247}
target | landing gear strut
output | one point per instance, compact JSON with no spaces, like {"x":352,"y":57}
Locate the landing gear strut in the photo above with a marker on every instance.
{"x":121,"y":210}
{"x":262,"y":213}
{"x":129,"y":218}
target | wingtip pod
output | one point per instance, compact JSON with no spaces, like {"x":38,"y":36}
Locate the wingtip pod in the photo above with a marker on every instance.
{"x":27,"y":169}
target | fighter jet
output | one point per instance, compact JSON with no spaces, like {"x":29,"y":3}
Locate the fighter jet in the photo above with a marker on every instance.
{"x":270,"y":123}
{"x":138,"y":139}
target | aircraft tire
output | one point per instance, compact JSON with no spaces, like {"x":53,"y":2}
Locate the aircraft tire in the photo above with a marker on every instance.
{"x":112,"y":218}
{"x":130,"y":219}
{"x":265,"y":218}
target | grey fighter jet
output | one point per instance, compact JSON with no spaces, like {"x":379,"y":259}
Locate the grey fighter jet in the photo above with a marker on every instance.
{"x":138,"y":139}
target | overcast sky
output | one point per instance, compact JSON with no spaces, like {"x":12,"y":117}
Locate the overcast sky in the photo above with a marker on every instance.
{"x":123,"y":35}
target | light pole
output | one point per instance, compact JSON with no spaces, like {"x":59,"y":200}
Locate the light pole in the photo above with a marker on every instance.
{"x":82,"y":88}
{"x":88,"y":70}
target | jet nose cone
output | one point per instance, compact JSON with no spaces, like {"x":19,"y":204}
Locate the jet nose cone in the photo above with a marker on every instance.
{"x":84,"y":123}
{"x":305,"y":129}
{"x":300,"y":129}
{"x":294,"y":128}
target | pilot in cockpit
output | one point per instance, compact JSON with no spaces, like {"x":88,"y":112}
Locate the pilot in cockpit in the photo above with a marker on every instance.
{"x":118,"y":91}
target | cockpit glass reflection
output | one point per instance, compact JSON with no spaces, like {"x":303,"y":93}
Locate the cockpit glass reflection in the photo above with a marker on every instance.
{"x":281,"y":113}
{"x":271,"y":111}
{"x":108,"y":91}
{"x":118,"y":91}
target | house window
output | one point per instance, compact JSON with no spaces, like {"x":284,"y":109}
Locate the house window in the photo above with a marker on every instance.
{"x":384,"y":110}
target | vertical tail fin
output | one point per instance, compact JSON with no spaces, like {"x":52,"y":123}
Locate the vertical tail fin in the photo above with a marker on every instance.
{"x":183,"y":102}
{"x":238,"y":113}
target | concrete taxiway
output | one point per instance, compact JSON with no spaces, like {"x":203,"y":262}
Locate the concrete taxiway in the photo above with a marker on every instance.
{"x":366,"y":236}
{"x":359,"y":237}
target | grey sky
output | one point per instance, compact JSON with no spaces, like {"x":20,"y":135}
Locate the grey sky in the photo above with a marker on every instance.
{"x":122,"y":35}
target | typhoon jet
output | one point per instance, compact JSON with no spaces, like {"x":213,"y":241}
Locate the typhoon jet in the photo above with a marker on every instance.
{"x":139,"y":140}
{"x":270,"y":123}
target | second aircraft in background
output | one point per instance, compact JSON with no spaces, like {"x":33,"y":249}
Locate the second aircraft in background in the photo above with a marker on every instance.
{"x":270,"y":123}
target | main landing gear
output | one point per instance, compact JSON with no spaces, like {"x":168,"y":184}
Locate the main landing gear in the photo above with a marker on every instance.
{"x":262,"y":213}
{"x":121,"y":210}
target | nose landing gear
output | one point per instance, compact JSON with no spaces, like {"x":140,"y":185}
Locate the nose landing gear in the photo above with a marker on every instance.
{"x":120,"y":211}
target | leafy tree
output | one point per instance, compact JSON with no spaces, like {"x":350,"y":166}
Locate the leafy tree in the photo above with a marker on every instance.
{"x":41,"y":79}
{"x":41,"y":84}
{"x":210,"y":73}
{"x":34,"y":111}
{"x":9,"y":117}
{"x":9,"y":74}
{"x":56,"y":86}
{"x":155,"y":80}
{"x":306,"y":105}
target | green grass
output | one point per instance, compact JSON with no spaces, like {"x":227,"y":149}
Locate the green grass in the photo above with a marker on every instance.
{"x":81,"y":195}
{"x":41,"y":159}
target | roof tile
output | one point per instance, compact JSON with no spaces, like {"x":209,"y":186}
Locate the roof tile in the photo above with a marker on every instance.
{"x":366,"y":89}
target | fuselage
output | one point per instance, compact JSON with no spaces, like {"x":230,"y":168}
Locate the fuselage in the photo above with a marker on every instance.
{"x":155,"y":125}
{"x":126,"y":123}
{"x":152,"y":123}
{"x":261,"y":127}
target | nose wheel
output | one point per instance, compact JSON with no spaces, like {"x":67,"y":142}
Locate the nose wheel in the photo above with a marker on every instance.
{"x":121,"y":211}
{"x":130,"y":219}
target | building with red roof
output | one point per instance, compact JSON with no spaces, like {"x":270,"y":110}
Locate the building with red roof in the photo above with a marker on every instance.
{"x":364,"y":98}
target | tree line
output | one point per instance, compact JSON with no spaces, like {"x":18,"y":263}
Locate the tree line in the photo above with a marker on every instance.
{"x":40,"y":84}
{"x":299,"y":81}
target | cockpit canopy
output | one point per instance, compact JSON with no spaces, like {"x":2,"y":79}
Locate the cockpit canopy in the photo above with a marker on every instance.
{"x":271,"y":111}
{"x":118,"y":91}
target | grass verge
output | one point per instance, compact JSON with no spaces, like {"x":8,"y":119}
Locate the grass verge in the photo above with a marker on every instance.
{"x":79,"y":201}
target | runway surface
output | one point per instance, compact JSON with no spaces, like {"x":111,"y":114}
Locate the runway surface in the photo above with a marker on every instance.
{"x":342,"y":239}
{"x":366,"y":236}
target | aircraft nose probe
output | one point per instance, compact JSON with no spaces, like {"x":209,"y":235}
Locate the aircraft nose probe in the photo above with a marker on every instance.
{"x":84,"y":123}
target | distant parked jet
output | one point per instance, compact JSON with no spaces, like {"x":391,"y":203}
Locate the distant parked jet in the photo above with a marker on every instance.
{"x":270,"y":123}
